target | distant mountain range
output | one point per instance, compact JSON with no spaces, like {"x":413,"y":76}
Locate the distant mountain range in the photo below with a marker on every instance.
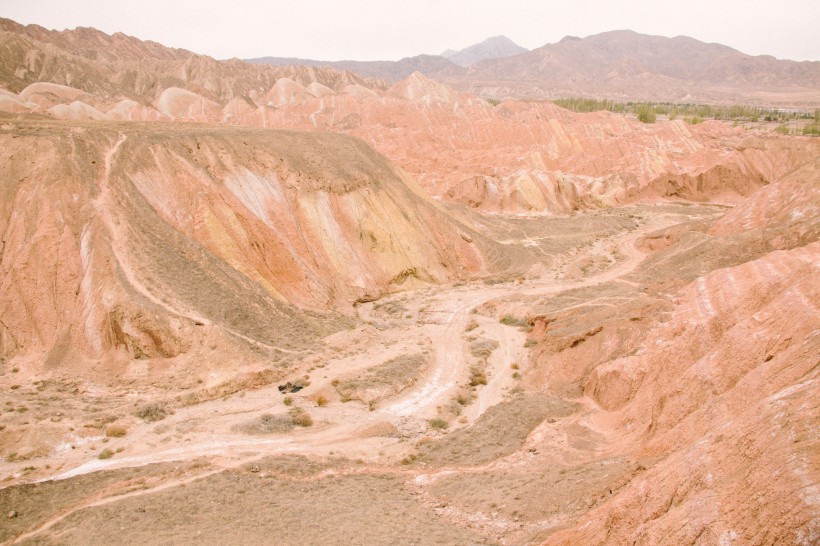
{"x":392,"y":71}
{"x":627,"y":65}
{"x":448,"y":64}
{"x":496,"y":47}
{"x":621,"y":65}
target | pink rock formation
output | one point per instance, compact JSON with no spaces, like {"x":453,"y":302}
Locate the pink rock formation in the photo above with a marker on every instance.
{"x":712,"y":389}
{"x":183,"y":105}
{"x":138,"y":238}
{"x":723,"y":393}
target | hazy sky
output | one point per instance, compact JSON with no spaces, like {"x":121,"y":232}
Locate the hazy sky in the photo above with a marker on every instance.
{"x":387,"y":29}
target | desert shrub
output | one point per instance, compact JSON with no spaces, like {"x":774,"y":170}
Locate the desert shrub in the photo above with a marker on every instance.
{"x":116,"y":431}
{"x":464,"y":397}
{"x":300,"y":417}
{"x":154,"y":411}
{"x":477,"y":377}
{"x":782,"y":129}
{"x":288,"y":401}
{"x":438,"y":423}
{"x":493,"y":102}
{"x":266,"y":424}
{"x":483,"y":348}
{"x":646,"y":114}
{"x":321,"y":401}
{"x":105,"y":454}
{"x":409,"y":459}
{"x":510,"y":320}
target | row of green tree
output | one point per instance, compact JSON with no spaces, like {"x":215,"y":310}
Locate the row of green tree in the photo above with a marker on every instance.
{"x":692,"y":113}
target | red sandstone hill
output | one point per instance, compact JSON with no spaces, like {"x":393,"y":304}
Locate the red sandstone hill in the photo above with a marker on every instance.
{"x":640,"y":374}
{"x":122,"y":66}
{"x":519,"y":156}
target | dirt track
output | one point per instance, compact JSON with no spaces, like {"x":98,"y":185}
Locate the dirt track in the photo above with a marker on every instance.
{"x":448,"y":313}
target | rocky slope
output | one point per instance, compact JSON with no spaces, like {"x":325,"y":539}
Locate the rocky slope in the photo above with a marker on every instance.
{"x":706,"y":378}
{"x":721,"y":395}
{"x":113,"y":67}
{"x":132,"y":241}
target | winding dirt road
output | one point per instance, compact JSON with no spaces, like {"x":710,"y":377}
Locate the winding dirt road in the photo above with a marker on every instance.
{"x":340,"y":425}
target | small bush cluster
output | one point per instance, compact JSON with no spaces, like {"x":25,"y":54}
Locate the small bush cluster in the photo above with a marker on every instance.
{"x":438,"y":423}
{"x":155,"y":411}
{"x":477,"y":377}
{"x":116,"y":431}
{"x":646,"y":114}
{"x":510,"y":320}
{"x":300,"y":417}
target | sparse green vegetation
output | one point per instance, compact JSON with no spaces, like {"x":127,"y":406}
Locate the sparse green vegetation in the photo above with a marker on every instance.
{"x":105,"y":454}
{"x":288,"y":401}
{"x":646,"y":114}
{"x":493,"y":102}
{"x":813,"y":129}
{"x":510,"y":320}
{"x":693,"y":113}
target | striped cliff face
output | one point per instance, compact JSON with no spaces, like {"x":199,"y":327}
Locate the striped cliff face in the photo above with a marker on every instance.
{"x":728,"y":382}
{"x":126,"y":237}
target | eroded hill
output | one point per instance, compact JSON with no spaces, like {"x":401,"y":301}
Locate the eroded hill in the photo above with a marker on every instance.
{"x":599,"y":331}
{"x":140,"y":241}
